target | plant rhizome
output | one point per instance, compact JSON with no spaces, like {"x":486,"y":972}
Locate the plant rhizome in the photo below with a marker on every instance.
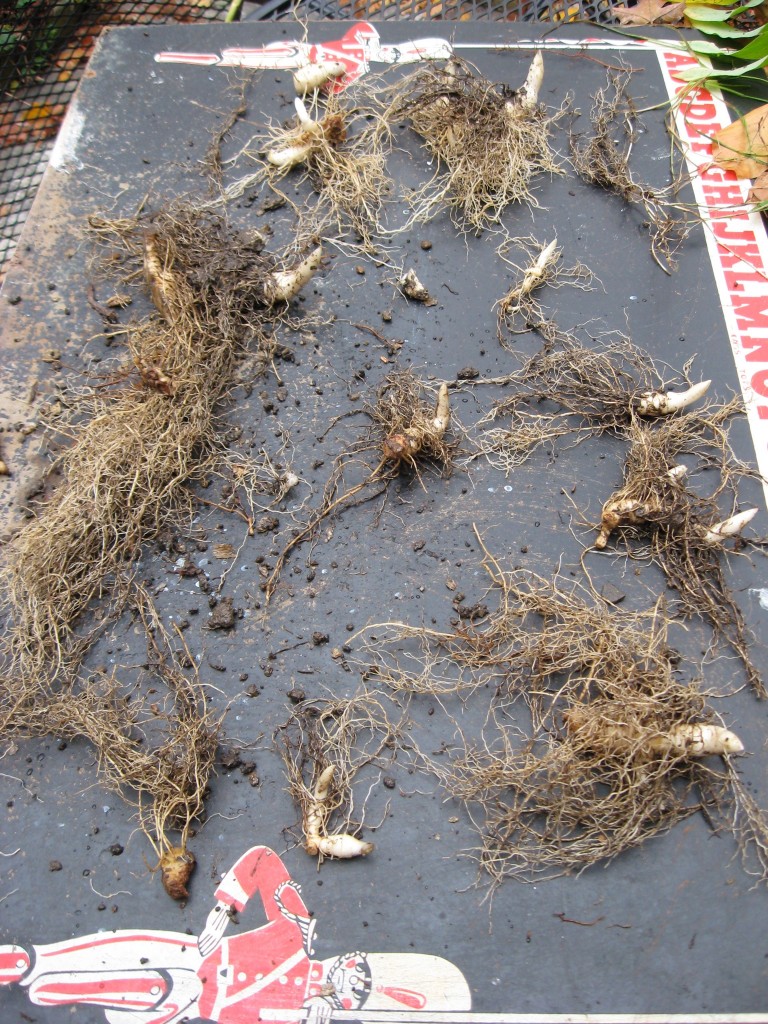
{"x":519,"y":310}
{"x":593,"y":741}
{"x":324,"y":744}
{"x":683,"y":532}
{"x":127,"y":470}
{"x":491,"y":141}
{"x":340,"y":148}
{"x":409,"y":430}
{"x":571,"y":391}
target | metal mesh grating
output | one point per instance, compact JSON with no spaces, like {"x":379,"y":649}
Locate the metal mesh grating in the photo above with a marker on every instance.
{"x":442,"y":10}
{"x":44,"y":47}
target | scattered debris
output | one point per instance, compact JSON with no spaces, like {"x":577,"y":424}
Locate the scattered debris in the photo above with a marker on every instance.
{"x":412,"y":288}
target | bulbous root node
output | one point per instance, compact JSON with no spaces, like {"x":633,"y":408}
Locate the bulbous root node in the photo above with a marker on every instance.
{"x":401,"y":447}
{"x":176,"y":867}
{"x":342,"y":846}
{"x":285,"y":284}
{"x":626,"y":512}
{"x":312,"y":77}
{"x":405,"y":445}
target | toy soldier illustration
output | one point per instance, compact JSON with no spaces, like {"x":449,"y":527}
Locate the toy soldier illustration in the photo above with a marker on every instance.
{"x":358,"y":48}
{"x":267,"y":974}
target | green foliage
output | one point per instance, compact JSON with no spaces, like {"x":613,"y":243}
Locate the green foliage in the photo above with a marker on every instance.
{"x":726,"y":24}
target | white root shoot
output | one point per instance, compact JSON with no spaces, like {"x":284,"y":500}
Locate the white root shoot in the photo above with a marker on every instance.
{"x":697,"y":741}
{"x":527,"y":96}
{"x":342,"y":846}
{"x":533,"y":277}
{"x":690,"y":740}
{"x":287,"y":283}
{"x":290,"y":156}
{"x":312,"y":77}
{"x":730,"y":527}
{"x":663,"y":403}
{"x":442,"y":412}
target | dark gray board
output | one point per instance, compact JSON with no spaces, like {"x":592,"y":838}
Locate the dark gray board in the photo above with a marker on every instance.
{"x":678,"y":927}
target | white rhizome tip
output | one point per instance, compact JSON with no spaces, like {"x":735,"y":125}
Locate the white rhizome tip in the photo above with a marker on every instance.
{"x":527,"y":96}
{"x":290,"y":156}
{"x":730,"y":527}
{"x":341,"y":845}
{"x":285,"y":284}
{"x":312,"y":77}
{"x":663,"y":403}
{"x":698,"y":740}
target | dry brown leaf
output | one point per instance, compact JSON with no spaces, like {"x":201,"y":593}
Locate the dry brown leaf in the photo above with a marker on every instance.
{"x":742,"y":147}
{"x":651,"y":12}
{"x":224,"y":551}
{"x":759,"y":191}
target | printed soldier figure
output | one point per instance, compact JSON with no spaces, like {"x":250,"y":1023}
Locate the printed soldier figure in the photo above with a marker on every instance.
{"x":356,"y":50}
{"x":264,"y":975}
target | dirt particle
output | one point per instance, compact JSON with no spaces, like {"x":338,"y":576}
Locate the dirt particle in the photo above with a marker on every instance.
{"x":223,"y":615}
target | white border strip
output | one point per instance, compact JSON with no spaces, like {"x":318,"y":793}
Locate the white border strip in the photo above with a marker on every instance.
{"x":736,"y":240}
{"x":586,"y":43}
{"x":458,"y":1017}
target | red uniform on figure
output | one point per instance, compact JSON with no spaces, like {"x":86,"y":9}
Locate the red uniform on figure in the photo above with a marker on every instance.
{"x":358,"y":48}
{"x":160,"y":977}
{"x":266,"y":967}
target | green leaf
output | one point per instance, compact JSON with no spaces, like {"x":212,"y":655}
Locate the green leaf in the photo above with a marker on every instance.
{"x":702,"y":13}
{"x":757,"y":48}
{"x":8,"y":39}
{"x":706,"y":48}
{"x":724,"y":31}
{"x":701,"y":74}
